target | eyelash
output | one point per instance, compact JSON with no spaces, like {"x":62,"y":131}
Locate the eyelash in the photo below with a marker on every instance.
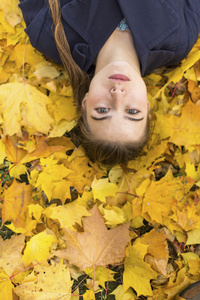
{"x":104,"y":110}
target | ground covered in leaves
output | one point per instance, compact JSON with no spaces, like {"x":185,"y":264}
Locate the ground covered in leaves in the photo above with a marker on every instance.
{"x":76,"y":229}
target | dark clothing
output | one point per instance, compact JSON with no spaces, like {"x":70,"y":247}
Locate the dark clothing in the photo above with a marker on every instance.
{"x":164,"y":31}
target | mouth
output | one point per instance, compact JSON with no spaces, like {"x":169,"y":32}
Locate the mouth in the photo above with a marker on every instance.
{"x":119,"y":77}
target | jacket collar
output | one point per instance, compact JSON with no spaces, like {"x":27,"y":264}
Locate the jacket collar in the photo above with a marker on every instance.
{"x":149,"y":20}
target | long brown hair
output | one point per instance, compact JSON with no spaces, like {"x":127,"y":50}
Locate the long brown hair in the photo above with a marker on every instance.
{"x":103,"y":151}
{"x":79,"y":80}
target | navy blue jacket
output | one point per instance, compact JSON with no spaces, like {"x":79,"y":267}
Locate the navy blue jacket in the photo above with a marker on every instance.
{"x":164,"y":31}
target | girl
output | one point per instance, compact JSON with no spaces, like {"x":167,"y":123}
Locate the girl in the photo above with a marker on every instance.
{"x":123,"y":40}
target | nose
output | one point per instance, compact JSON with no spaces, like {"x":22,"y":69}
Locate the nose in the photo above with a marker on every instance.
{"x":117,"y":93}
{"x":117,"y":90}
{"x":118,"y":97}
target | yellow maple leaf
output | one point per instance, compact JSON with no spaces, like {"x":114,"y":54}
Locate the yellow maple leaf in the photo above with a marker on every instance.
{"x":38,"y":247}
{"x":193,"y":237}
{"x":41,"y":147}
{"x":183,"y":130}
{"x":68,"y":214}
{"x":157,"y":244}
{"x":137,"y":273}
{"x":6,"y":287}
{"x":82,"y":172}
{"x":10,"y":253}
{"x":16,"y":200}
{"x":102,"y":188}
{"x":115,"y":215}
{"x":45,"y":69}
{"x":23,"y":105}
{"x":96,"y":246}
{"x":53,"y":174}
{"x":24,"y":54}
{"x":62,"y":108}
{"x":24,"y":228}
{"x":12,"y":12}
{"x":13,"y":153}
{"x":2,"y":152}
{"x":35,"y":211}
{"x":160,"y":196}
{"x":120,"y":295}
{"x":192,"y":262}
{"x":176,"y":74}
{"x":100,"y":274}
{"x":52,"y":282}
{"x":89,"y":295}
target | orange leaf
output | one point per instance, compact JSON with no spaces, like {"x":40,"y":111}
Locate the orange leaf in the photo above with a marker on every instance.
{"x":16,"y":200}
{"x":13,"y":153}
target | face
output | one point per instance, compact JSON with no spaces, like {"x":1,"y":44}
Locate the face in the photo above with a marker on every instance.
{"x":116,"y":104}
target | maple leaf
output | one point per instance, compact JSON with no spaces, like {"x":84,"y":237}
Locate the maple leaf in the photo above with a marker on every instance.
{"x":2,"y":152}
{"x":102,"y":188}
{"x":12,"y":12}
{"x":82,"y":172}
{"x":100,"y":274}
{"x":53,"y":174}
{"x":182,"y":130}
{"x":193,"y":237}
{"x":115,"y":215}
{"x":10,"y":253}
{"x":137,"y":273}
{"x":52,"y":283}
{"x":89,"y":295}
{"x":13,"y":153}
{"x":38,"y":247}
{"x":24,"y":105}
{"x":157,"y":244}
{"x":6,"y":287}
{"x":68,"y":214}
{"x":24,"y":54}
{"x":159,"y":197}
{"x":45,"y":69}
{"x":42,"y":147}
{"x":16,"y":200}
{"x":192,"y":262}
{"x":120,"y":295}
{"x":96,"y":246}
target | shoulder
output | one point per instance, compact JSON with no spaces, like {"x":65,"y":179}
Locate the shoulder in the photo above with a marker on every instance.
{"x":164,"y":31}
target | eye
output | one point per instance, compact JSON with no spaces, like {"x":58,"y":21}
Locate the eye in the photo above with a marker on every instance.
{"x":102,"y":110}
{"x":132,"y":111}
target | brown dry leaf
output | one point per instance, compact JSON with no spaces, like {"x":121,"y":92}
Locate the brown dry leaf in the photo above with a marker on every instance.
{"x":10,"y":253}
{"x":194,"y":90}
{"x":16,"y":200}
{"x":158,"y":265}
{"x":96,"y":246}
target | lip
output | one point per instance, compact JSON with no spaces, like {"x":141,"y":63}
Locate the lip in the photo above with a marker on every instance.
{"x":119,"y":77}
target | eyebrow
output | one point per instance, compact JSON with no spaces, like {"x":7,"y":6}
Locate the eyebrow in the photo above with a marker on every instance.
{"x":107,"y":117}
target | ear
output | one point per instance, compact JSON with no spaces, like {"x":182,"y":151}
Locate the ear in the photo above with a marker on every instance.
{"x":84,"y":101}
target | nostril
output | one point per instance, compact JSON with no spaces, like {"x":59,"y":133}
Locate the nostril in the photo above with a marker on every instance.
{"x":117,"y":89}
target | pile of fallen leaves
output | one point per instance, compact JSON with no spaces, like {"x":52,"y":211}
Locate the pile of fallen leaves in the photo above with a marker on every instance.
{"x":83,"y":230}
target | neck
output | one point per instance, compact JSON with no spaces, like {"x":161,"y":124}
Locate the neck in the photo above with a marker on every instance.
{"x":118,"y":47}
